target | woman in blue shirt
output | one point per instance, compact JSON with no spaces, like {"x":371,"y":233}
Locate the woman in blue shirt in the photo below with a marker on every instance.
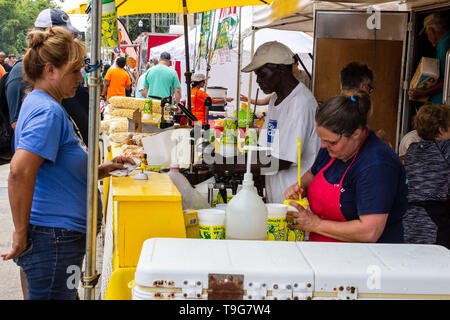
{"x":48,"y":174}
{"x":356,"y":187}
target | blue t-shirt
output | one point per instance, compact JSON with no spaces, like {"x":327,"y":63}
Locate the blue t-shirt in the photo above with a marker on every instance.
{"x":140,"y":86}
{"x":60,"y":194}
{"x":375,"y":183}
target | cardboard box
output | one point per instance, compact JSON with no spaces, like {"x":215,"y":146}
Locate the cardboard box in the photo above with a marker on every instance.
{"x":191,"y":223}
{"x":426,"y":75}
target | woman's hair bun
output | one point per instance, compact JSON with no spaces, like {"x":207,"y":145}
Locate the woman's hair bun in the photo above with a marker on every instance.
{"x":36,"y":38}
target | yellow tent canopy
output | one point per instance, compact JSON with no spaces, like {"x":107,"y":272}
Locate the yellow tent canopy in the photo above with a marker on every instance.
{"x":298,"y":14}
{"x":130,"y":7}
{"x":78,"y":10}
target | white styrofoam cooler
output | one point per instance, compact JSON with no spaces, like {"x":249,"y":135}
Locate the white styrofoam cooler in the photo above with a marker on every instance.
{"x":170,"y":268}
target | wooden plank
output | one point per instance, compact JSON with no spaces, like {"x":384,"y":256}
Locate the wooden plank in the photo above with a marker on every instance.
{"x":383,"y":57}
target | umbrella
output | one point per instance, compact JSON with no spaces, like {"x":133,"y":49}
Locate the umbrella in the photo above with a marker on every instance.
{"x":128,"y":7}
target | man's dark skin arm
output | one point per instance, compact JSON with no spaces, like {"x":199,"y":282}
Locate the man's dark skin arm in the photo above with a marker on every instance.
{"x":418,"y":93}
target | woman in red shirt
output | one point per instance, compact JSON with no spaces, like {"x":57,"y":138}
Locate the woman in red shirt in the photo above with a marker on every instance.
{"x":198,"y":97}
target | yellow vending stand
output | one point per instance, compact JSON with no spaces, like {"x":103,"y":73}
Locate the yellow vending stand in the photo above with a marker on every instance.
{"x":138,"y":210}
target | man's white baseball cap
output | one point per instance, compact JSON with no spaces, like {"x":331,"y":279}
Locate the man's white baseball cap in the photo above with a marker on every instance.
{"x":198,"y":77}
{"x":270,"y":52}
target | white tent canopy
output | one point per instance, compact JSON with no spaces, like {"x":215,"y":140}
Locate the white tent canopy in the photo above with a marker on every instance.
{"x":224,"y":75}
{"x":301,"y":12}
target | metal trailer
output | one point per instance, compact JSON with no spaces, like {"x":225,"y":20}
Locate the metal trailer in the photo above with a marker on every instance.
{"x":381,"y":34}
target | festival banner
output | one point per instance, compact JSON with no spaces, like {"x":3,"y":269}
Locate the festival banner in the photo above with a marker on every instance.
{"x":205,"y":34}
{"x":226,"y":29}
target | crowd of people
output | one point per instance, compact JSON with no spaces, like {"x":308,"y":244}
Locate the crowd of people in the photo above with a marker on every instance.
{"x":6,"y":62}
{"x":358,"y":188}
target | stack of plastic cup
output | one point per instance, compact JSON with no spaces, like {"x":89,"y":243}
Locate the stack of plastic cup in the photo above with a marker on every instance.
{"x":211,"y":224}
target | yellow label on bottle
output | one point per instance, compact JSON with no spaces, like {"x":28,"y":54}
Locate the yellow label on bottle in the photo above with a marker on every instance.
{"x":276,"y":229}
{"x":148,"y":107}
{"x":211,"y":232}
{"x":295,"y":235}
{"x":230,"y":132}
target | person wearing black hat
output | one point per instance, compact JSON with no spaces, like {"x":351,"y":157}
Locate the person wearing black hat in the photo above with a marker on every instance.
{"x":77,"y":107}
{"x":162,"y":81}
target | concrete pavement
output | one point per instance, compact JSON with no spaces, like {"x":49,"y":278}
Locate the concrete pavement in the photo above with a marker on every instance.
{"x":10,"y":288}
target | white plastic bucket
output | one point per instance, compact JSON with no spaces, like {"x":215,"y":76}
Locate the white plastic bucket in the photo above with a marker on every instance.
{"x":211,"y":223}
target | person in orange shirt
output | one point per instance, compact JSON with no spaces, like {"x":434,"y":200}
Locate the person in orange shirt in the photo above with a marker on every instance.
{"x":2,"y":71}
{"x":116,"y":81}
{"x":198,"y":97}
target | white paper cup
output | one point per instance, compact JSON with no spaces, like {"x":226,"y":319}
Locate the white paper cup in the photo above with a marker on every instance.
{"x":276,"y":210}
{"x":276,"y":221}
{"x":211,"y":223}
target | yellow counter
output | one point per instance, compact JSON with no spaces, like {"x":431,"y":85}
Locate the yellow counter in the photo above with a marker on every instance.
{"x":143,"y":209}
{"x":140,"y":210}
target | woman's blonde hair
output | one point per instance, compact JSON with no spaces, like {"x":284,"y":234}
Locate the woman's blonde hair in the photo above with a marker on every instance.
{"x":55,"y":46}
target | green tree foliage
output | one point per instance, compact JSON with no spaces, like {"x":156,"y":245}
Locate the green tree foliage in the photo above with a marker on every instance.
{"x":16,"y":19}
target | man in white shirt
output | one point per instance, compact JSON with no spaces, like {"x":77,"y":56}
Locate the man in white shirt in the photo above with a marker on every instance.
{"x":290,"y":116}
{"x":291,"y":113}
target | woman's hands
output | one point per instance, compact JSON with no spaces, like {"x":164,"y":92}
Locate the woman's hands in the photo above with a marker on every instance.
{"x":19,"y":244}
{"x":117,"y":163}
{"x":302,"y":219}
{"x":294,"y":192}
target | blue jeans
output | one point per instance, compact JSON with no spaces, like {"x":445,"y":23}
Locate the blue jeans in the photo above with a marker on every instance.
{"x":52,"y":262}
